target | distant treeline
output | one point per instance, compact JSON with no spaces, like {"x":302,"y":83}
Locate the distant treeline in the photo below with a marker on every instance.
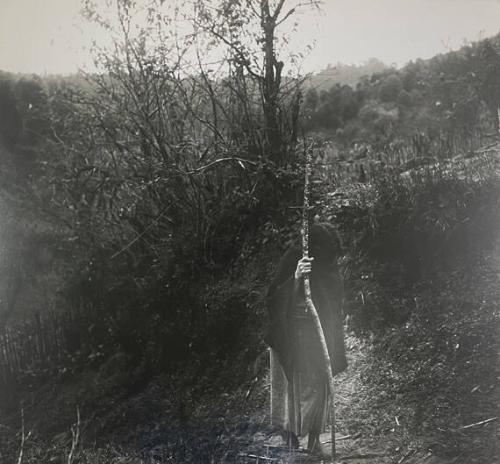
{"x":344,"y":74}
{"x":447,"y":95}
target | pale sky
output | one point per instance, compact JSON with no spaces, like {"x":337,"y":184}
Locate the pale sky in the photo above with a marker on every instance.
{"x":48,"y":36}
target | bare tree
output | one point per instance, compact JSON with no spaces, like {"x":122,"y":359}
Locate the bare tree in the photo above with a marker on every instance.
{"x":192,"y":102}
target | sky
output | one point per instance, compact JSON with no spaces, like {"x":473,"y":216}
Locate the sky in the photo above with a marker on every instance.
{"x":49,"y":36}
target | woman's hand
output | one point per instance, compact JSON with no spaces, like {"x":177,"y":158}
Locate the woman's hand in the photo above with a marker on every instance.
{"x":303,"y":267}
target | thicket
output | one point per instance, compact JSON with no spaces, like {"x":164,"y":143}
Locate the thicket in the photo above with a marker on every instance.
{"x":408,"y":229}
{"x":151,"y":179}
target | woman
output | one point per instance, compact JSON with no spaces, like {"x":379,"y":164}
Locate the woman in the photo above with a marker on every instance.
{"x":299,"y":383}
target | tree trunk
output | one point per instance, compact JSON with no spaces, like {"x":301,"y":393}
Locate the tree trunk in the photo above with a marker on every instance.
{"x":271,"y":82}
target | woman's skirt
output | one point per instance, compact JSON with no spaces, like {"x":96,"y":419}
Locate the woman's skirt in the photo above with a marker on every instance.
{"x":300,"y":404}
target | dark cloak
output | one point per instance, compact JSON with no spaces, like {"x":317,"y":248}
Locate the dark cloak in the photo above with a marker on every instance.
{"x":327,"y":296}
{"x":299,"y":384}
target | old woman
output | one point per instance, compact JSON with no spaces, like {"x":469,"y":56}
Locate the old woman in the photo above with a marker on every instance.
{"x":299,"y":382}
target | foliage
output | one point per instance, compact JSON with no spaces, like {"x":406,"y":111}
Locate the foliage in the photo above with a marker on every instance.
{"x":153,"y":176}
{"x":159,"y":192}
{"x":157,"y":196}
{"x":390,"y":88}
{"x":407,"y":227}
{"x":442,"y":99}
{"x":344,"y":74}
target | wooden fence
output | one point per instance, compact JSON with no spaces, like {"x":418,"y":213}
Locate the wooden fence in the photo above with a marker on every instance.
{"x":41,"y":345}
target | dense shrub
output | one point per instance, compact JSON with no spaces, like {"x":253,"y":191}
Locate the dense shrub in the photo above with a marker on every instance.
{"x":409,"y":226}
{"x":390,"y":88}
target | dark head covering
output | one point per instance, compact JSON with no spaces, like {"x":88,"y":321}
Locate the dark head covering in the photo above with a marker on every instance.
{"x":324,"y":243}
{"x":324,"y":246}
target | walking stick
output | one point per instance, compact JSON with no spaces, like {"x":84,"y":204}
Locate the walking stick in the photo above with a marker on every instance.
{"x":307,"y":290}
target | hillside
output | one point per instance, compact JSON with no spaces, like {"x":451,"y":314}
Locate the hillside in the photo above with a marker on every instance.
{"x":144,"y":213}
{"x":428,"y":105}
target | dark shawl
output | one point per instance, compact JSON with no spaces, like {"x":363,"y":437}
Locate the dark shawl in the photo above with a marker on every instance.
{"x":327,"y":295}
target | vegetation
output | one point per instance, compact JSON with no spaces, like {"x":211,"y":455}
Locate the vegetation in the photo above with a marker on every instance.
{"x":146,"y":205}
{"x":426,"y":104}
{"x":344,"y":74}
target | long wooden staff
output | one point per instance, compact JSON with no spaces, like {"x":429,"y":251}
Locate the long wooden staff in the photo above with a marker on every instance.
{"x":307,"y":290}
